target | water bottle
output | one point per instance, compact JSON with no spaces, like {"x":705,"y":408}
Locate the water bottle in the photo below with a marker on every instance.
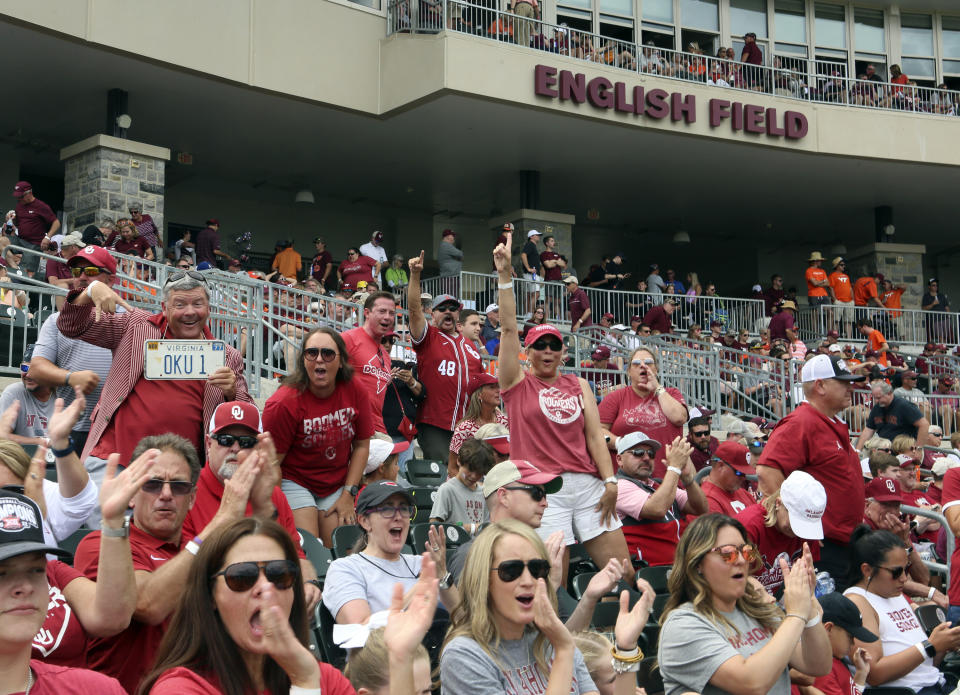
{"x":825,"y":584}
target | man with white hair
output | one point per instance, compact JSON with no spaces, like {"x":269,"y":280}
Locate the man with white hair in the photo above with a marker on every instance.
{"x":57,"y":272}
{"x":489,"y":330}
{"x":892,"y":415}
{"x":374,"y":249}
{"x":813,"y":439}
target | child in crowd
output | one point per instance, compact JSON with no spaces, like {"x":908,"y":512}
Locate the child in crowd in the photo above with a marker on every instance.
{"x":368,"y":672}
{"x":460,"y":500}
{"x":497,"y":436}
{"x":843,"y":623}
{"x":382,"y":460}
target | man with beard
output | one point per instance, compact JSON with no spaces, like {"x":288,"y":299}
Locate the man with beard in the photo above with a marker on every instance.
{"x":236,"y":430}
{"x":703,"y":443}
{"x":369,"y":358}
{"x":445,"y":360}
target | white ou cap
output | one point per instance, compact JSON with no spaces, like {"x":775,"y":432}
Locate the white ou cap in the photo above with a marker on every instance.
{"x":380,"y":449}
{"x":805,"y":500}
{"x":943,"y":464}
{"x":628,"y":441}
{"x":491,"y":307}
{"x":835,"y":347}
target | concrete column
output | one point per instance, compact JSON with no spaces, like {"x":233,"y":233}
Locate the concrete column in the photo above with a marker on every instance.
{"x":104,"y":175}
{"x":901,"y":263}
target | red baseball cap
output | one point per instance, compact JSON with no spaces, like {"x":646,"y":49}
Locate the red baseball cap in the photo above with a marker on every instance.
{"x":236,"y":413}
{"x":480,"y":380}
{"x":21,"y":189}
{"x":539,"y":331}
{"x":448,"y":232}
{"x":601,"y":352}
{"x":884,"y":490}
{"x":500,"y":443}
{"x":737,"y":455}
{"x":608,"y":315}
{"x":95,"y":256}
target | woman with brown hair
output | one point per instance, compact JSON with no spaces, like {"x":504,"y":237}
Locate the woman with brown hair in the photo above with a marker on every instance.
{"x":321,"y":422}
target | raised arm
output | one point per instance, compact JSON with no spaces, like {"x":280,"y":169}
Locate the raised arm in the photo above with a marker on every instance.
{"x":509,"y":372}
{"x":418,"y":323}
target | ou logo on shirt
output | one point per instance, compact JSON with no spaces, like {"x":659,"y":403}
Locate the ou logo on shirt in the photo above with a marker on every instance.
{"x":559,"y":407}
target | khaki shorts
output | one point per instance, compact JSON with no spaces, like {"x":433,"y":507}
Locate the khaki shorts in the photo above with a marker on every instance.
{"x":844,"y":312}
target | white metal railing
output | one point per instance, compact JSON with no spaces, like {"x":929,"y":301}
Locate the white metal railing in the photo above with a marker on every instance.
{"x":791,"y":77}
{"x":903,"y":326}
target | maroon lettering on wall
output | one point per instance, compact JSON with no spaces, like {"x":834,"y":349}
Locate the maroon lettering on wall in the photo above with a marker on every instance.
{"x":772,"y":127}
{"x":621,"y":103}
{"x":684,"y":107}
{"x":544,"y":79}
{"x":573,"y":86}
{"x":719,"y":110}
{"x":737,"y":117}
{"x":599,"y":94}
{"x":657,"y":105}
{"x":796,"y":125}
{"x":753,"y":118}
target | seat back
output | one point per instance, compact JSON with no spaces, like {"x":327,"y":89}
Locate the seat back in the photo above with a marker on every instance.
{"x":317,"y":553}
{"x":423,"y":498}
{"x":324,"y":622}
{"x":656,"y":577}
{"x":426,"y":473}
{"x":648,"y":677}
{"x":344,"y":538}
{"x":454,"y":535}
{"x":71,"y":542}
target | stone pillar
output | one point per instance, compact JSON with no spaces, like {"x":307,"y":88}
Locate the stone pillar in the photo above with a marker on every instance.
{"x":558,"y":224}
{"x":901,"y":263}
{"x":104,"y":175}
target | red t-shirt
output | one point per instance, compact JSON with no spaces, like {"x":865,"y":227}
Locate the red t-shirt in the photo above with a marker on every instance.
{"x":719,"y":500}
{"x":207,"y":502}
{"x":183,"y":681}
{"x":772,"y":544}
{"x":62,"y":680}
{"x":919,"y":498}
{"x":371,"y":368}
{"x":352,"y":272}
{"x":658,"y":320}
{"x":951,"y":498}
{"x":816,"y":275}
{"x":808,"y":440}
{"x":59,"y":270}
{"x":577,"y":305}
{"x":628,"y":413}
{"x":142,"y":415}
{"x":33,"y":220}
{"x":842,"y":289}
{"x":546,"y":424}
{"x":863,"y":289}
{"x":554,"y":274}
{"x":62,"y":639}
{"x":128,"y":655}
{"x":445,"y":364}
{"x":317,"y":434}
{"x":837,"y":682}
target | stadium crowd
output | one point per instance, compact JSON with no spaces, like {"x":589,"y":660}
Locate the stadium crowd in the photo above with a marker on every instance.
{"x":170,"y":536}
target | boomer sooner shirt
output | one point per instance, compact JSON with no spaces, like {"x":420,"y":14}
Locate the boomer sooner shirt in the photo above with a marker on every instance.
{"x":445,"y":363}
{"x":371,"y":367}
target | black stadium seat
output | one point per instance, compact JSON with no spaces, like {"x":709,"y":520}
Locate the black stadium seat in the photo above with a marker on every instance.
{"x":426,"y":473}
{"x":344,"y":538}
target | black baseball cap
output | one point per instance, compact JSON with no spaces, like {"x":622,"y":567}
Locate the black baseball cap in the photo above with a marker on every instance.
{"x":376,"y":493}
{"x":21,"y":527}
{"x":841,"y":611}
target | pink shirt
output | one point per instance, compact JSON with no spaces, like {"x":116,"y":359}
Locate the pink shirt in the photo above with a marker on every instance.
{"x":627,"y":412}
{"x":542,"y":413}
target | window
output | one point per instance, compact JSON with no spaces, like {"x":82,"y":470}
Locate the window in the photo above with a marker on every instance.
{"x":868,"y":30}
{"x":830,"y":25}
{"x":699,"y":14}
{"x":916,"y":34}
{"x":951,"y":41}
{"x":747,"y":16}
{"x":790,"y":21}
{"x":658,"y":10}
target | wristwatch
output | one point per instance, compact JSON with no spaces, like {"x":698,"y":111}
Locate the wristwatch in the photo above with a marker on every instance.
{"x":122,"y":532}
{"x":445,"y":581}
{"x":316,"y":582}
{"x":929,"y":648}
{"x":353,"y":490}
{"x":611,"y":479}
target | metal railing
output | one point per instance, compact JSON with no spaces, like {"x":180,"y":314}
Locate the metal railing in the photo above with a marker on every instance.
{"x":790,"y":77}
{"x":902,"y":326}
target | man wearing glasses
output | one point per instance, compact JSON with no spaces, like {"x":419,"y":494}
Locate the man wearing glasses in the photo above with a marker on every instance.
{"x":651,"y":510}
{"x":725,"y":487}
{"x":36,"y":405}
{"x":132,"y":407}
{"x":703,"y":443}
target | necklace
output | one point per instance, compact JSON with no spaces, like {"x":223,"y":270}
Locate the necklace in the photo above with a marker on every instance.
{"x":29,"y":681}
{"x":388,"y":572}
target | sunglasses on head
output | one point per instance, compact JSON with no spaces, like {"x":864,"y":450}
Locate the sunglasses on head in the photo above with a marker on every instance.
{"x":535,"y":491}
{"x":544,"y":343}
{"x":89,"y":270}
{"x":895,"y":572}
{"x":731,"y":553}
{"x":510,"y":570}
{"x":242,"y":576}
{"x":181,"y":274}
{"x":326,"y":354}
{"x":179,"y":488}
{"x":227,"y":440}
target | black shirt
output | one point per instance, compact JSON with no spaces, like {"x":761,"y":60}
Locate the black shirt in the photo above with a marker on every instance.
{"x":533,"y":257}
{"x":896,"y":418}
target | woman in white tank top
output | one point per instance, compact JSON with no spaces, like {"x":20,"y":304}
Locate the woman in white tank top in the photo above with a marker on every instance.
{"x":903,"y":656}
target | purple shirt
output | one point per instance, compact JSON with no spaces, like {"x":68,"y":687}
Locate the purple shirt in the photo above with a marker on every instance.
{"x":208,"y":241}
{"x":754,"y":54}
{"x":578,"y":304}
{"x":779,"y":325}
{"x":33,"y":220}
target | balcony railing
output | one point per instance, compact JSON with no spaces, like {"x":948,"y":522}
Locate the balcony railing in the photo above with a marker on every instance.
{"x":790,"y":77}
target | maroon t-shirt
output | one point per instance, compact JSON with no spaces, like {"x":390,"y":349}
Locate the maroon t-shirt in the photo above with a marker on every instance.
{"x":658,"y":320}
{"x":754,"y":54}
{"x":701,"y":459}
{"x":779,"y":325}
{"x":135,"y":247}
{"x":59,"y":270}
{"x":352,"y":272}
{"x":578,"y":303}
{"x":319,"y":265}
{"x":62,"y":639}
{"x":207,"y":242}
{"x":33,"y":220}
{"x":554,"y":274}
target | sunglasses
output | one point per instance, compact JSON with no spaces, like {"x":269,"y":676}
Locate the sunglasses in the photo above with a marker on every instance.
{"x":183,"y":267}
{"x":24,"y":368}
{"x":511,"y":570}
{"x":703,"y":433}
{"x":447,"y":307}
{"x":646,"y":362}
{"x":735,"y":471}
{"x":227,"y":440}
{"x":536,"y":492}
{"x":181,"y":274}
{"x":242,"y":576}
{"x":179,"y":488}
{"x":895,"y":572}
{"x":89,"y":270}
{"x":545,"y":343}
{"x":641,"y":453}
{"x":326,"y":354}
{"x":405,"y":511}
{"x":731,"y":553}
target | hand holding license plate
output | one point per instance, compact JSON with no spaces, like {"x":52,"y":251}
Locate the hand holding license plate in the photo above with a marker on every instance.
{"x":182,"y":359}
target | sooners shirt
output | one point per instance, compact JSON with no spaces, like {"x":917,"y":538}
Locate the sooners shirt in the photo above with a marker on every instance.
{"x":371,"y":368}
{"x":445,"y":364}
{"x":183,"y":681}
{"x":951,"y":498}
{"x":837,"y":682}
{"x":723,"y":502}
{"x":62,"y":639}
{"x":61,"y":680}
{"x":919,"y":498}
{"x":352,"y":272}
{"x":316,"y":435}
{"x":810,"y":441}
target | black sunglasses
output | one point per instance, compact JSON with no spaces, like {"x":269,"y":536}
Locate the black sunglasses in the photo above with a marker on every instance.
{"x":242,"y":576}
{"x":181,"y":274}
{"x":179,"y":488}
{"x":89,"y":270}
{"x":702,"y":433}
{"x":737,"y":473}
{"x":511,"y":570}
{"x":227,"y":440}
{"x":544,"y":343}
{"x":895,"y":572}
{"x":447,"y":307}
{"x":326,"y":354}
{"x":535,"y":491}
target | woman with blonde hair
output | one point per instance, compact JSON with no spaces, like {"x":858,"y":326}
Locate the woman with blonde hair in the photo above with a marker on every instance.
{"x":505,"y":633}
{"x":483,"y":408}
{"x":905,"y":444}
{"x":743,"y":642}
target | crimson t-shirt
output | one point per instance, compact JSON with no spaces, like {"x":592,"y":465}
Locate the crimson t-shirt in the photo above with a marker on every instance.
{"x":627,"y":412}
{"x":59,"y":270}
{"x":352,"y":272}
{"x":951,"y":498}
{"x":772,"y":544}
{"x":554,"y":274}
{"x":371,"y":368}
{"x":183,"y":681}
{"x":316,"y":435}
{"x":722,"y":502}
{"x":135,"y":247}
{"x":810,"y":441}
{"x":33,"y":220}
{"x":62,"y":680}
{"x":445,"y":364}
{"x":62,"y":639}
{"x":837,"y":682}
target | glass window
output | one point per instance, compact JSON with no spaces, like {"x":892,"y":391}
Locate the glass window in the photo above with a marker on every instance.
{"x":951,"y":36}
{"x":699,"y":14}
{"x":830,"y":23}
{"x":918,"y":67}
{"x":952,"y":66}
{"x":658,"y":10}
{"x":624,"y":7}
{"x":790,"y":21}
{"x":868,"y":30}
{"x":747,"y":16}
{"x":792,"y":49}
{"x":916,"y":34}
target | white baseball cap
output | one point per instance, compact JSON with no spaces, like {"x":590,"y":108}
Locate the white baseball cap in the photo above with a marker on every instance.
{"x":532,"y":233}
{"x":628,"y":441}
{"x":827,"y":367}
{"x":491,"y":307}
{"x":805,"y":501}
{"x":943,"y":464}
{"x":835,"y":347}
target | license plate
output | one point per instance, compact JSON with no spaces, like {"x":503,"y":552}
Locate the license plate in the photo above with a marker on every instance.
{"x":182,"y":359}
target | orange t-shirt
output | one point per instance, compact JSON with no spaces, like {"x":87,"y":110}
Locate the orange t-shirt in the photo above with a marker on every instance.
{"x":820,"y":275}
{"x":875,"y":342}
{"x":891,"y":300}
{"x":842,"y":289}
{"x":863,"y":290}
